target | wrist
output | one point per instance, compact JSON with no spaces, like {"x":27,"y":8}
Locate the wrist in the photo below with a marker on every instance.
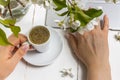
{"x":99,"y":72}
{"x":98,"y":63}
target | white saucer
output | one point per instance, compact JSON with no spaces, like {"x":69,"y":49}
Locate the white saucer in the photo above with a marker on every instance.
{"x":42,"y":59}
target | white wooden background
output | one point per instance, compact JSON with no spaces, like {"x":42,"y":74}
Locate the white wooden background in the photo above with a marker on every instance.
{"x":24,"y":71}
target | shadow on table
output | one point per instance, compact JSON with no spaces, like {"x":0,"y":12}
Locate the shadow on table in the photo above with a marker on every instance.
{"x":30,"y":65}
{"x":82,"y":71}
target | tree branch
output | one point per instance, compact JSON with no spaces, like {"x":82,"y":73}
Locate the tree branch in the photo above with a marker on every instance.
{"x":20,"y":2}
{"x":10,"y":10}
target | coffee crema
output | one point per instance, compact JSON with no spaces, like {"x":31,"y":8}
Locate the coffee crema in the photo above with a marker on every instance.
{"x":39,"y":35}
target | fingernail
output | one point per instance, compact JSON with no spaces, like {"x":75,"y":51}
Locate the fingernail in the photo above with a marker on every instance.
{"x":26,"y":43}
{"x":25,"y":47}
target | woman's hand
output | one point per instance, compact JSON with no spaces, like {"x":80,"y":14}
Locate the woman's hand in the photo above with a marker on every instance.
{"x":10,"y":56}
{"x":92,"y":49}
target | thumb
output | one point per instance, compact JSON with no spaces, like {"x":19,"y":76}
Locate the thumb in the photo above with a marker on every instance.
{"x":20,"y":53}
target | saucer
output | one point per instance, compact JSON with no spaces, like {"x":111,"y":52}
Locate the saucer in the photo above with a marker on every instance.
{"x":36,"y":58}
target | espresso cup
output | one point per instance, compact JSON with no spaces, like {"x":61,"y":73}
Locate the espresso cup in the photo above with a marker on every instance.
{"x":39,"y":38}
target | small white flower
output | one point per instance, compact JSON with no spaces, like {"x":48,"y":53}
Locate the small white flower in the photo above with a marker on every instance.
{"x":47,"y":4}
{"x":117,"y":36}
{"x":75,"y":24}
{"x":89,"y":26}
{"x":61,"y":24}
{"x":67,"y":72}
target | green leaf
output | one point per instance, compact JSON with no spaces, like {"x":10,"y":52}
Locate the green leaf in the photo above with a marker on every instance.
{"x":81,"y":16}
{"x":3,"y":38}
{"x":4,"y":2}
{"x":60,"y":4}
{"x":15,"y":30}
{"x":93,"y":12}
{"x":8,"y":22}
{"x":63,"y":14}
{"x":58,"y":8}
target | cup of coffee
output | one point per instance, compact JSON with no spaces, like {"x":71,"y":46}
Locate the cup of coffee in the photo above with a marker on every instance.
{"x":39,"y":38}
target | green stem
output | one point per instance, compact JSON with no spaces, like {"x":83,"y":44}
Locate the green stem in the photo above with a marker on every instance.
{"x":70,"y":3}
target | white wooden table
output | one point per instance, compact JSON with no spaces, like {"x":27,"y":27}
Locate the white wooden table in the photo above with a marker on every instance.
{"x":24,"y":71}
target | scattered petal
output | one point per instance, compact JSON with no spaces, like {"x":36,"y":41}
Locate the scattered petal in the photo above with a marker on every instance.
{"x":67,"y":72}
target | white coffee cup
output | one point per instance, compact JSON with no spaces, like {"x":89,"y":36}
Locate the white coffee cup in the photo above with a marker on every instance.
{"x":41,"y":47}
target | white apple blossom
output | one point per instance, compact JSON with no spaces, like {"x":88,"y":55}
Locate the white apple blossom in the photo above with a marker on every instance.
{"x":61,"y":24}
{"x":89,"y":26}
{"x":76,"y":24}
{"x":70,"y":23}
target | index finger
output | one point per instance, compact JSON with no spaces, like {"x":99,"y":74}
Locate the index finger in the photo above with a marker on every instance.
{"x":16,"y":40}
